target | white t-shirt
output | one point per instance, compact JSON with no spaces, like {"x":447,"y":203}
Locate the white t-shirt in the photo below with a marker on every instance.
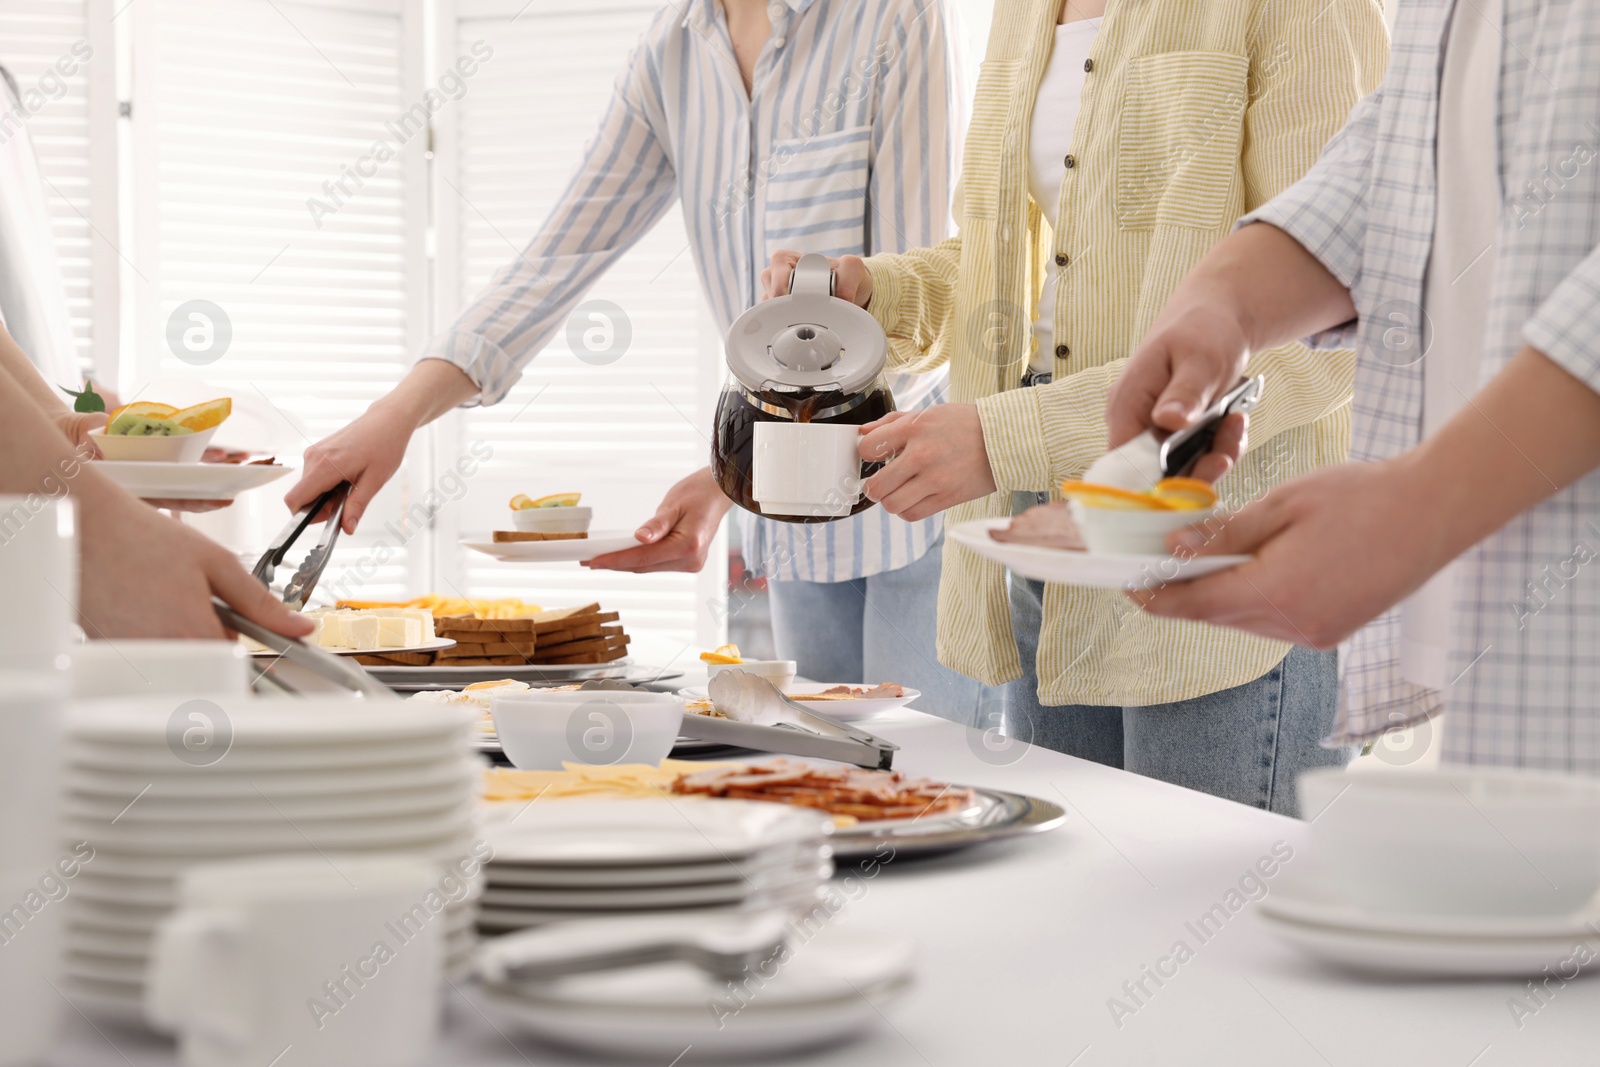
{"x":1055,"y":112}
{"x":1455,"y":296}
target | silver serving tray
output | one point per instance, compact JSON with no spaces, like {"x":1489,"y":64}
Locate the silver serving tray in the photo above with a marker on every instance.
{"x":416,"y":679}
{"x":996,"y":815}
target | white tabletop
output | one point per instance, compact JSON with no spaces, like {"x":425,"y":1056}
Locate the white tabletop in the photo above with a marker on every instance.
{"x":1024,"y":943}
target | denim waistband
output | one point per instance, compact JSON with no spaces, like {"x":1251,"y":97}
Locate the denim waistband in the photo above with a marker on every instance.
{"x":1037,"y":377}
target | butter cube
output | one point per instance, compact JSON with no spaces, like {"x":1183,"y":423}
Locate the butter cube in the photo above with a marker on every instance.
{"x":363,"y":632}
{"x":334,"y":630}
{"x":398,"y":632}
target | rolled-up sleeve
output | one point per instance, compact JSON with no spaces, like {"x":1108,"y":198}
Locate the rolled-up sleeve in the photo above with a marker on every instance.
{"x":1326,"y":211}
{"x":1566,"y":327}
{"x":622,"y":187}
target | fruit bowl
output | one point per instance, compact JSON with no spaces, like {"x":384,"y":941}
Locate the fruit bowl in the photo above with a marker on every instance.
{"x":181,"y":448}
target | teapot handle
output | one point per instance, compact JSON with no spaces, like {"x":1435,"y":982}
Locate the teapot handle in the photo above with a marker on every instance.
{"x":811,"y":275}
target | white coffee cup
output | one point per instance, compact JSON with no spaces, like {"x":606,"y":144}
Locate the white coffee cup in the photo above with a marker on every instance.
{"x":806,"y":469}
{"x":39,"y":573}
{"x":32,"y":920}
{"x":150,"y":668}
{"x":1478,"y":841}
{"x":31,"y":704}
{"x":541,"y":730}
{"x":338,"y":957}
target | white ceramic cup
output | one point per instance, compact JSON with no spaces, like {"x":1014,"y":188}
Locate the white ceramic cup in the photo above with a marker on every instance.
{"x":1456,"y":842}
{"x":39,"y":573}
{"x":1118,"y":532}
{"x":780,"y":672}
{"x":148,"y":668}
{"x":335,"y":956}
{"x":541,"y":730}
{"x":32,"y":920}
{"x":806,"y":469}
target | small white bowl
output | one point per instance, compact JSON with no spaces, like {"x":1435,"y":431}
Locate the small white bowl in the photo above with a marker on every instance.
{"x":552,"y":520}
{"x":780,"y":672}
{"x":185,"y":448}
{"x":1456,"y":842}
{"x":540,"y":730}
{"x":1116,"y":532}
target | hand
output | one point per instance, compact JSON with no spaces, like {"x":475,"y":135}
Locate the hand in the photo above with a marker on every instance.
{"x":75,"y":426}
{"x":937,"y":460}
{"x":851,"y":281}
{"x":1333,"y":550}
{"x":365,"y":453}
{"x":146,"y":575}
{"x":1226,"y":447}
{"x":1196,"y":350}
{"x":681,"y":533}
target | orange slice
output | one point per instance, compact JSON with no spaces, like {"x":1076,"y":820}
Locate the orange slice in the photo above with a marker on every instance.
{"x":144,"y":409}
{"x":199,"y":417}
{"x":1110,"y":496}
{"x":1185,"y":494}
{"x":520,"y":501}
{"x":557,"y":500}
{"x":724,"y":654}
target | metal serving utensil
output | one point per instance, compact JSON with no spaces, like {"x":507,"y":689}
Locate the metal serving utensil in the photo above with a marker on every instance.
{"x":1183,"y":448}
{"x":305,"y":578}
{"x":762,"y":718}
{"x":308,"y":657}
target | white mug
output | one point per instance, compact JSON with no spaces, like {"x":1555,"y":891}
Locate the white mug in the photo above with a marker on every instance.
{"x":147,"y":668}
{"x":806,"y":469}
{"x":339,"y":958}
{"x":30,"y":765}
{"x":39,"y":573}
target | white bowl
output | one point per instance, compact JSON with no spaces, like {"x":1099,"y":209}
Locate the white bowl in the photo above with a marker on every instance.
{"x":186,"y":448}
{"x":1116,"y":532}
{"x":780,"y":672}
{"x":552,"y":520}
{"x":540,"y":730}
{"x":1456,"y":842}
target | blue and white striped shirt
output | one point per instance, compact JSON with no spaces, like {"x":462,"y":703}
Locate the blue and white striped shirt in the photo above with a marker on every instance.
{"x":845,"y":145}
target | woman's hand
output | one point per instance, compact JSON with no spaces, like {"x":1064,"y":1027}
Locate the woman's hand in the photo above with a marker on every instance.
{"x":936,"y":460}
{"x":365,"y":453}
{"x":851,"y":280}
{"x":680,"y":534}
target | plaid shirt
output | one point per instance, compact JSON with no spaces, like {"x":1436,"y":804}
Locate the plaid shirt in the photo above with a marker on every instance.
{"x":1526,"y":626}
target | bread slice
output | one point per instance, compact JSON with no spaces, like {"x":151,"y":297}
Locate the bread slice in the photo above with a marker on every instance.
{"x":502,"y":537}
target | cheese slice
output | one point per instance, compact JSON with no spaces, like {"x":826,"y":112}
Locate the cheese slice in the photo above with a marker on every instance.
{"x":398,"y":632}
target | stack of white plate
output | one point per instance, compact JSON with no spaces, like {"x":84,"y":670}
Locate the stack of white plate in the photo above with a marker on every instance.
{"x":154,"y":787}
{"x":582,"y":859}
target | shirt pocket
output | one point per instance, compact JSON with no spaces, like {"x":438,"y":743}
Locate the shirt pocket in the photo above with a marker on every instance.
{"x":1179,"y":133}
{"x":817,"y":193}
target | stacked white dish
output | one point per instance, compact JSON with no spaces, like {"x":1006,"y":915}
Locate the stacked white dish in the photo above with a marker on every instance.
{"x":157,"y":786}
{"x":580,"y":859}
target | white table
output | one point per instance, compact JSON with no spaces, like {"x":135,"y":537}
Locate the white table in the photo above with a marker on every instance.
{"x":1024,"y":943}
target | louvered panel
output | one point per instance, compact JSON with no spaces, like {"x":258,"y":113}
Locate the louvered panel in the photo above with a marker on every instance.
{"x":34,"y":35}
{"x":621,"y":433}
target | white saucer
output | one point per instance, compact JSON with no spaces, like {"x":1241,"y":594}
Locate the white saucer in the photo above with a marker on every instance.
{"x":189,"y":481}
{"x":596,"y":544}
{"x":1092,"y":569}
{"x":499,"y":895}
{"x":716,"y":872}
{"x":1318,"y":922}
{"x":839,"y":710}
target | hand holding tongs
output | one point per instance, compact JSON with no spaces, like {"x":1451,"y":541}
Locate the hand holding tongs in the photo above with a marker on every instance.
{"x":305,"y":578}
{"x":1183,"y":448}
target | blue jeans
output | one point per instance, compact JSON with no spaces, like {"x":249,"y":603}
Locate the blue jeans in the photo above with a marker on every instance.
{"x":876,"y":629}
{"x":1248,"y":743}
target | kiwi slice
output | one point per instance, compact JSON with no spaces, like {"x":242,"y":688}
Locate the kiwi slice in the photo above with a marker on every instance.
{"x":130,"y":425}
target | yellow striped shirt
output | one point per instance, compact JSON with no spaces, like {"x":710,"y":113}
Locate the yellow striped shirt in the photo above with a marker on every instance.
{"x":1193,"y":113}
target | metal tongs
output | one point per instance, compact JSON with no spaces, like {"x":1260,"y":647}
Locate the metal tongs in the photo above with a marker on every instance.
{"x":762,"y":718}
{"x":305,"y":578}
{"x":1183,"y":448}
{"x":291,"y":650}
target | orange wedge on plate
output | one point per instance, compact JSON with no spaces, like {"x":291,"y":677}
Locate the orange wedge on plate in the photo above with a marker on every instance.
{"x":1185,"y":494}
{"x":144,"y":409}
{"x":204,"y":416}
{"x":1110,"y":496}
{"x":520,"y":501}
{"x":724,"y":654}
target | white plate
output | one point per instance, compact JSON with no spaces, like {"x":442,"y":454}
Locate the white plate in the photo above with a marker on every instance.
{"x":225,"y":839}
{"x":1305,"y":898}
{"x":427,"y":646}
{"x":246,"y":759}
{"x":262,"y":723}
{"x":575,"y":551}
{"x":798,"y":898}
{"x":1066,"y":567}
{"x":151,"y":808}
{"x":189,"y":481}
{"x":718,"y":871}
{"x":328,"y":785}
{"x":500,"y":895}
{"x":840,"y":710}
{"x":631,"y":833}
{"x":1430,"y":956}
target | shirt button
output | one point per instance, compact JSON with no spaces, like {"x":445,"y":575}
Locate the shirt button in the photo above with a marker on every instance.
{"x":1071,"y":162}
{"x":1062,"y":351}
{"x":776,"y":11}
{"x":1061,"y":259}
{"x":1088,"y":65}
{"x":778,"y":42}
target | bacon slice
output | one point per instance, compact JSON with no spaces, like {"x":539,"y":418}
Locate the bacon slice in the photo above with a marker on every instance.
{"x":1044,"y":526}
{"x":854,"y":791}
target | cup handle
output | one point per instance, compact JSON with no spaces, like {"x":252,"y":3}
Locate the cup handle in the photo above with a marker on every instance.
{"x":192,"y":982}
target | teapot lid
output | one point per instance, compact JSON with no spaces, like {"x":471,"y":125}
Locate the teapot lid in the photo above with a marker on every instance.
{"x":807,"y":340}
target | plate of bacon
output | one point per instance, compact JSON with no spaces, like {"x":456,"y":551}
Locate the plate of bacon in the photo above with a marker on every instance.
{"x":839,"y":701}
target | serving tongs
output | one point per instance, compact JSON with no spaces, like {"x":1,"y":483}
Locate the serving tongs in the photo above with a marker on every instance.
{"x":1182,"y":449}
{"x":762,"y":718}
{"x":291,"y":650}
{"x":306,"y":576}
